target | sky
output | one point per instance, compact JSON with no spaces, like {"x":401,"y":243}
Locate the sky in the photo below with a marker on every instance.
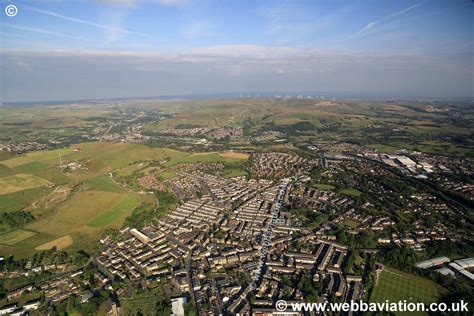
{"x":66,"y":50}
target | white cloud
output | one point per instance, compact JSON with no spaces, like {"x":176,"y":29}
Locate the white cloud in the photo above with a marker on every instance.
{"x":90,"y":23}
{"x":371,"y":25}
{"x":42,"y":31}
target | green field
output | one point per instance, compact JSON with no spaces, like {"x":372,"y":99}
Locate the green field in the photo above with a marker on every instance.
{"x":166,"y":175}
{"x":53,"y":175}
{"x":20,"y":182}
{"x":351,"y":192}
{"x":324,"y":187}
{"x":351,"y":223}
{"x":21,"y":199}
{"x":78,"y":211}
{"x":102,"y":183}
{"x":31,"y":167}
{"x":15,"y":236}
{"x":5,"y":171}
{"x":384,"y":148}
{"x":106,"y":219}
{"x":234,"y":172}
{"x":394,"y":285}
{"x":181,"y":157}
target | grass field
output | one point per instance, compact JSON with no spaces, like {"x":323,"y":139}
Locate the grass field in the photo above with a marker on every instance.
{"x":234,"y":172}
{"x":20,"y":182}
{"x":102,"y":183}
{"x":166,"y":175}
{"x":4,"y":155}
{"x":104,"y":157}
{"x":322,"y":186}
{"x":15,"y":236}
{"x":394,"y":285}
{"x":106,"y":219}
{"x":5,"y":171}
{"x":60,"y":243}
{"x":384,"y":148}
{"x":351,"y":192}
{"x":31,"y":167}
{"x":77,"y":212}
{"x":233,"y":154}
{"x":59,"y":194}
{"x":21,"y":199}
{"x":351,"y":223}
{"x":181,"y":157}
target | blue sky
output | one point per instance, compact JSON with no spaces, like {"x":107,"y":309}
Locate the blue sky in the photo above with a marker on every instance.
{"x":384,"y":47}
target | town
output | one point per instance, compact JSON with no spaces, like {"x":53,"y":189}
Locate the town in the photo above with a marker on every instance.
{"x":325,"y":243}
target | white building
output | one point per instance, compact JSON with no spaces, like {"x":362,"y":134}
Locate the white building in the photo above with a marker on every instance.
{"x":177,"y":306}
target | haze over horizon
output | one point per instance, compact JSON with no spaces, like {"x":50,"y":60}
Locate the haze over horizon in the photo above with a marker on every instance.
{"x":63,"y":50}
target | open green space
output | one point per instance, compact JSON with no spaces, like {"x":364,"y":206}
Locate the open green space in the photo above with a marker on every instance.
{"x":351,"y":223}
{"x":78,"y":211}
{"x":183,"y":157}
{"x":394,"y":285}
{"x":166,"y":175}
{"x":31,"y":167}
{"x":323,"y":186}
{"x":21,"y":199}
{"x":351,"y":192}
{"x":384,"y":148}
{"x":124,"y":206}
{"x":102,"y":183}
{"x":234,"y":172}
{"x":5,"y":171}
{"x":15,"y":236}
{"x":26,"y":247}
{"x":4,"y":155}
{"x":20,"y":182}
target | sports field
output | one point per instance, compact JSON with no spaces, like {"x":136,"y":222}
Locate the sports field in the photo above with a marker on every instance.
{"x":394,"y":285}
